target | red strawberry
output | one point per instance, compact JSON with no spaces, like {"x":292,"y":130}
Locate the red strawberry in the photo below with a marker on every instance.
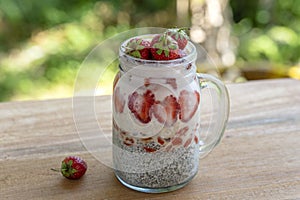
{"x":149,"y":149}
{"x":140,"y":105}
{"x":73,"y":167}
{"x":188,"y":102}
{"x":177,"y":141}
{"x":196,"y":139}
{"x":166,"y":111}
{"x":138,"y":48}
{"x":119,"y":100}
{"x":188,"y":142}
{"x":180,"y":36}
{"x":160,"y":140}
{"x":163,"y":47}
{"x":128,"y":141}
{"x":182,"y":132}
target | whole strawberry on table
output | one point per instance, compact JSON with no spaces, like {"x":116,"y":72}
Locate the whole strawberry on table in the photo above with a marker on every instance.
{"x":72,"y":167}
{"x":169,"y":45}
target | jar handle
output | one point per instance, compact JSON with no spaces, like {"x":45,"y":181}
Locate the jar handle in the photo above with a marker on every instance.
{"x":220,"y":103}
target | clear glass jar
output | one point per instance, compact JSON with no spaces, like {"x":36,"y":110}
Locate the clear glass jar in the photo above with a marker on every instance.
{"x":156,"y":121}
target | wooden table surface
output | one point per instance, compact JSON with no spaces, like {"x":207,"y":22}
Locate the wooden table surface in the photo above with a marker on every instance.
{"x":258,"y":158}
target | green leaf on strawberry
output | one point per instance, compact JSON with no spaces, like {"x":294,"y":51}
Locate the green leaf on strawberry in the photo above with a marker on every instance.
{"x":136,"y":54}
{"x":138,"y":48}
{"x":159,"y":51}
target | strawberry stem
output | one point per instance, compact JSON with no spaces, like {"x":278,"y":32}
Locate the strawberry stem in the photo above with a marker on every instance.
{"x":56,"y":170}
{"x":164,"y":39}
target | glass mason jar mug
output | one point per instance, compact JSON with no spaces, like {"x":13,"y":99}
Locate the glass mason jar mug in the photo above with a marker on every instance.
{"x":156,"y":120}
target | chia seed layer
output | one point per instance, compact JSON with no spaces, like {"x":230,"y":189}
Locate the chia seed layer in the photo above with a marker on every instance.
{"x":156,"y":169}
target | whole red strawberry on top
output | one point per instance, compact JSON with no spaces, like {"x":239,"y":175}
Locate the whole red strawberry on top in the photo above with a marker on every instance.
{"x":180,"y":36}
{"x":164,"y":47}
{"x":73,"y":167}
{"x":139,"y":48}
{"x":169,"y":45}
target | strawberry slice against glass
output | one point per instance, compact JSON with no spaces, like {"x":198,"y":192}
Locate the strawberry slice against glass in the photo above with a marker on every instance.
{"x":188,"y":101}
{"x":140,"y":104}
{"x":166,"y":111}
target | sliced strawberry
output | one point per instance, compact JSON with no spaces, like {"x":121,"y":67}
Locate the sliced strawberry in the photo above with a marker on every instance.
{"x":177,"y":141}
{"x":128,"y":141}
{"x":147,"y":140}
{"x":149,"y":149}
{"x":159,"y":112}
{"x":138,"y":48}
{"x":196,"y":139}
{"x":188,"y":102}
{"x":119,"y":100}
{"x":160,"y":140}
{"x":140,"y":105}
{"x":182,"y":132}
{"x":163,"y":47}
{"x":180,"y":36}
{"x":188,"y":142}
{"x":166,"y":111}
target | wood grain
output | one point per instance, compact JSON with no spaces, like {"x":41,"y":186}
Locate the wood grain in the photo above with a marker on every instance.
{"x":258,"y":158}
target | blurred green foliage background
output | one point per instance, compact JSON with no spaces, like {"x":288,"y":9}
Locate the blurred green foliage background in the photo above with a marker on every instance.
{"x":269,"y":35}
{"x":43,"y":43}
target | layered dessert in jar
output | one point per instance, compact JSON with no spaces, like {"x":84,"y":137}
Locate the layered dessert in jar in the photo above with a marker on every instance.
{"x":156,"y":112}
